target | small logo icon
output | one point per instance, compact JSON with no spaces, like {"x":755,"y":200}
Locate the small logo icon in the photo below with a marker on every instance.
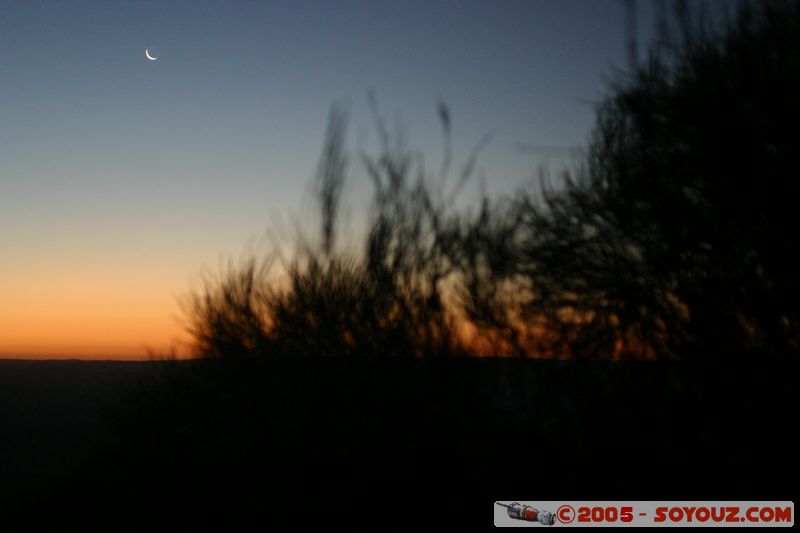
{"x":565,"y":514}
{"x":528,"y":513}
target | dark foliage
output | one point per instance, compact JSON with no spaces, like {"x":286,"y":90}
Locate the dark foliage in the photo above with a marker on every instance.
{"x":675,"y":237}
{"x":389,"y":301}
{"x":670,"y":239}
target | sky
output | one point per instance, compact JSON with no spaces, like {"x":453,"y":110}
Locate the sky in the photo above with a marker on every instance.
{"x":122,"y":180}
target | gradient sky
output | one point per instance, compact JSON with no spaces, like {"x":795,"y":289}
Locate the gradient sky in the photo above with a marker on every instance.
{"x":122,"y":179}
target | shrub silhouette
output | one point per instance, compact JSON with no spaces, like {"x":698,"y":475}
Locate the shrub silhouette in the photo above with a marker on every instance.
{"x":389,"y":301}
{"x":227,"y":319}
{"x":668,"y":240}
{"x":671,"y":239}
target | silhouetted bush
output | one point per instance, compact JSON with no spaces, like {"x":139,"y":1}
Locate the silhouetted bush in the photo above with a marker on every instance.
{"x":389,"y":301}
{"x":669,"y":240}
{"x":674,"y":237}
{"x":228,"y":317}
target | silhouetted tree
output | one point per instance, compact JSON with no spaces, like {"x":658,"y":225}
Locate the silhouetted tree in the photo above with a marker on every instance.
{"x":675,"y":237}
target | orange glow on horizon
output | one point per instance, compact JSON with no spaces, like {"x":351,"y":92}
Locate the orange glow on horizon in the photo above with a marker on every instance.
{"x":93,"y":336}
{"x":90,"y":317}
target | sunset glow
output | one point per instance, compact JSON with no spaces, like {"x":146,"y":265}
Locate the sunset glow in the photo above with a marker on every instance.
{"x":103,"y":316}
{"x":123,"y":179}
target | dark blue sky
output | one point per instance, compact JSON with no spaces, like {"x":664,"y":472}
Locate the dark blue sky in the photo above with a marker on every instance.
{"x":142,"y":170}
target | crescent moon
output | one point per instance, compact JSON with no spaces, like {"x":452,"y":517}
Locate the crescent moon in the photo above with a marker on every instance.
{"x":148,"y":56}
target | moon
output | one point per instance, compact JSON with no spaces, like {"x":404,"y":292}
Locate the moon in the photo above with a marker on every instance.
{"x":148,"y":56}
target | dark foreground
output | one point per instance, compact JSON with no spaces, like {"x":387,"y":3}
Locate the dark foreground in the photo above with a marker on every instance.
{"x":382,"y":442}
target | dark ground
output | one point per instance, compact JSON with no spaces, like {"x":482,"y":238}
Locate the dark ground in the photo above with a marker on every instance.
{"x":323,"y":441}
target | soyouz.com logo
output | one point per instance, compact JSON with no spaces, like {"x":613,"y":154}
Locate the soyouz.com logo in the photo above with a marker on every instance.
{"x":645,"y":514}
